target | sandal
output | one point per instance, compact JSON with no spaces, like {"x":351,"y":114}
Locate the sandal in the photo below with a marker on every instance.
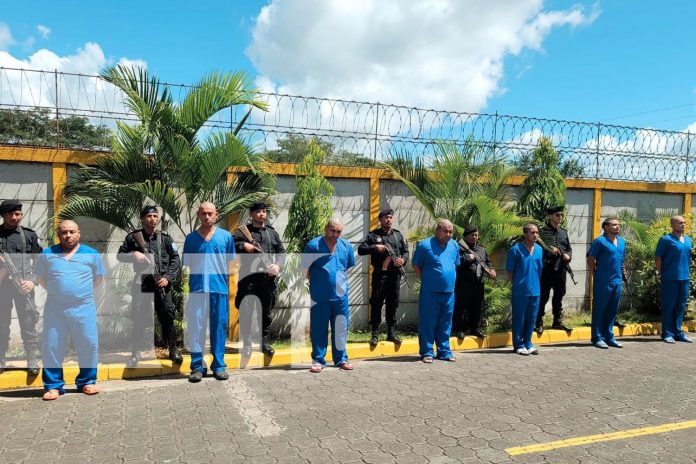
{"x":50,"y":395}
{"x":90,"y":389}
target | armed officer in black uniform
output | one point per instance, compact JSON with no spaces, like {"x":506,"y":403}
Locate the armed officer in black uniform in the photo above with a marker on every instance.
{"x":262,"y":256}
{"x":386,"y":276}
{"x":156,"y":267}
{"x":469,"y":286}
{"x":557,"y":256}
{"x":20,"y":245}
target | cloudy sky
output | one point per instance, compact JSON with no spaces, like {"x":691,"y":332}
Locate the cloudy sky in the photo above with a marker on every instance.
{"x":615,"y":61}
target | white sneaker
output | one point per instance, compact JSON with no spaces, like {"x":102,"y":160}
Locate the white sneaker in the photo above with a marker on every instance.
{"x":533,"y":350}
{"x":522,"y":351}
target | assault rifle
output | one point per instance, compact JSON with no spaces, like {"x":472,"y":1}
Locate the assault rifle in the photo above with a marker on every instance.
{"x":466,"y":248}
{"x":140,"y":240}
{"x":394,"y":257}
{"x":559,"y":261}
{"x":15,"y":276}
{"x":266,"y":258}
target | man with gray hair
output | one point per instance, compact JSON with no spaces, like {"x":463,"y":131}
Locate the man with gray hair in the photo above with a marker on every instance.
{"x":435,"y":262}
{"x":326,"y":261}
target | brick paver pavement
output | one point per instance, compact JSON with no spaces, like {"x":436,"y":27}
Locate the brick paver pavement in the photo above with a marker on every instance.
{"x":387,"y":410}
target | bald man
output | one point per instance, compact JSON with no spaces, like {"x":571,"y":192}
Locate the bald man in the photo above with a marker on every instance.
{"x":208,"y":251}
{"x":435,"y":262}
{"x":672,"y":260}
{"x":69,"y":272}
{"x":325,"y":261}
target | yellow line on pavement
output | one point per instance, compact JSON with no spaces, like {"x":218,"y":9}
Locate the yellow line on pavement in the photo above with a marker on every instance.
{"x":586,"y":440}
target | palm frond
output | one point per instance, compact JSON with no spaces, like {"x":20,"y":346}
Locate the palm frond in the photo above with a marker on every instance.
{"x":144,"y":94}
{"x":215,"y":92}
{"x":117,"y":213}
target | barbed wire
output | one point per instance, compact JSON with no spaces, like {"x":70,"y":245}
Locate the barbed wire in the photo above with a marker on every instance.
{"x":368,"y":129}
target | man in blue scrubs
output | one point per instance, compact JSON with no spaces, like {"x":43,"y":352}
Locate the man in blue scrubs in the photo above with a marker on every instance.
{"x":326,"y":261}
{"x":524,"y":265}
{"x":605,"y":261}
{"x":435,"y":262}
{"x":208,"y":251}
{"x":69,"y":272}
{"x":672,"y":259}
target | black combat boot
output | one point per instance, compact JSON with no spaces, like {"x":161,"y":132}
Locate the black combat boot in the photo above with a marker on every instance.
{"x":375,"y":337}
{"x":392,"y":337}
{"x":175,"y":354}
{"x":32,"y":363}
{"x":266,"y":347}
{"x":559,"y":325}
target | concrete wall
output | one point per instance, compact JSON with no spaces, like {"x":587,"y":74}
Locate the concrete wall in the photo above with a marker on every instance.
{"x":579,"y":224}
{"x":646,"y":206}
{"x":32,"y":183}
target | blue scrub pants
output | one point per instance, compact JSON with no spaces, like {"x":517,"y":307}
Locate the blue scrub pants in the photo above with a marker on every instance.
{"x":435,"y":323}
{"x":81,"y":324}
{"x":674,"y":294}
{"x":335,"y":312}
{"x":201,"y":309}
{"x":524,"y":314}
{"x":605,"y":304}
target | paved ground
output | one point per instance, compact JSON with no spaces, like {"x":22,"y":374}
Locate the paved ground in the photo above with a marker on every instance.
{"x":387,"y":410}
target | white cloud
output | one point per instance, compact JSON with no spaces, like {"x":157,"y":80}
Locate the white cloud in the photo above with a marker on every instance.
{"x":446,"y":54}
{"x":44,"y":31}
{"x":5,"y":37}
{"x":79,"y":92}
{"x":137,"y":63}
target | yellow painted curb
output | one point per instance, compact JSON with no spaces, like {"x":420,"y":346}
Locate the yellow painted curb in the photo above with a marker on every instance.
{"x":302,"y":356}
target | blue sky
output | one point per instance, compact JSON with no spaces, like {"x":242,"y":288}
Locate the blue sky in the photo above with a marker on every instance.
{"x":577,"y":60}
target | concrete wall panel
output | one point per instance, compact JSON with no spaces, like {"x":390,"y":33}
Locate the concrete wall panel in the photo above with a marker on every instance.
{"x":646,"y":206}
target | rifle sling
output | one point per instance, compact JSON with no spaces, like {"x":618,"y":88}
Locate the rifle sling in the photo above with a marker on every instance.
{"x":24,"y":248}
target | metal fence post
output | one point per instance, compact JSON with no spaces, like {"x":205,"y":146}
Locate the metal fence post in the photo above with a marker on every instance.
{"x":686,"y":160}
{"x":599,"y":130}
{"x":374,"y":154}
{"x":495,"y":134}
{"x":55,"y":75}
{"x":231,"y":119}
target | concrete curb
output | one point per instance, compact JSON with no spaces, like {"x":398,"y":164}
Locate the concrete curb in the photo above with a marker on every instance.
{"x":153,"y":368}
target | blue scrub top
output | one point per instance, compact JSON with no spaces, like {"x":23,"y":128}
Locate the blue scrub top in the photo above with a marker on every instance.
{"x":69,"y":282}
{"x":526,"y":269}
{"x":328,"y":279}
{"x":676,"y":257}
{"x":609,"y":259}
{"x":209,"y":261}
{"x":438,"y":264}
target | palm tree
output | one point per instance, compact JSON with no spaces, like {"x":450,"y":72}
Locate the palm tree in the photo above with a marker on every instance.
{"x":169,"y":158}
{"x":466,"y":184}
